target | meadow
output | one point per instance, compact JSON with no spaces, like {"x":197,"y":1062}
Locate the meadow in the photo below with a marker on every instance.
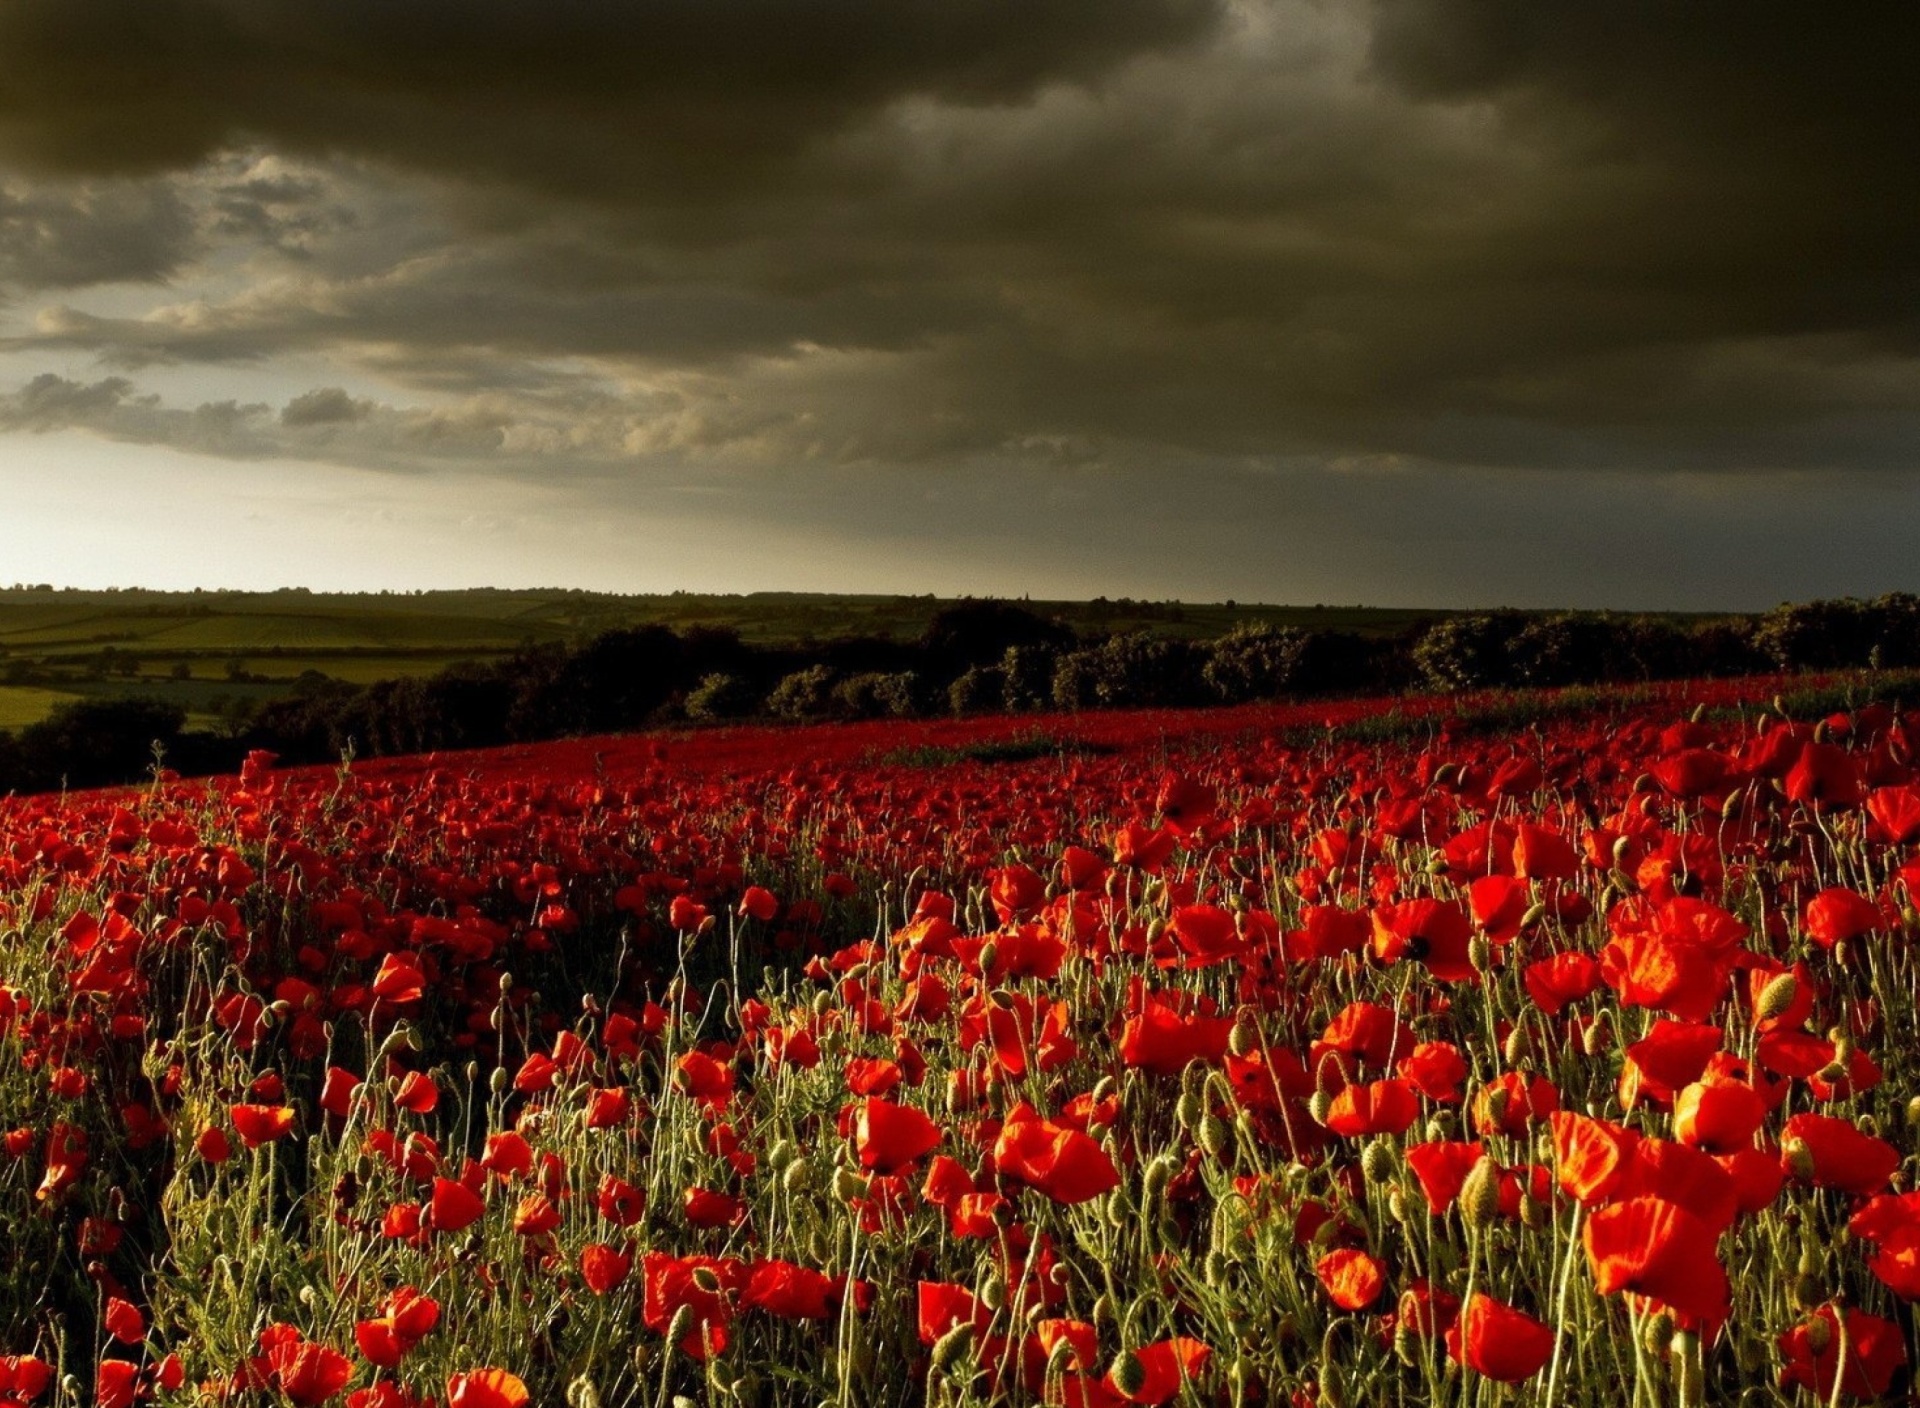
{"x":215,"y":653}
{"x":1470,"y":1050}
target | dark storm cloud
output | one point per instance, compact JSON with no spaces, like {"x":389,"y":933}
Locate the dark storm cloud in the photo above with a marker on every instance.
{"x":594,"y":95}
{"x":74,"y":234}
{"x":1131,"y":244}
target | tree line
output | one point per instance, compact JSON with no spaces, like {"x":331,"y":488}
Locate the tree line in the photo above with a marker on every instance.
{"x":974,"y":657}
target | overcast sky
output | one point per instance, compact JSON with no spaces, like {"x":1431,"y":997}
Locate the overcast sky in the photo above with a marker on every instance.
{"x":1442,"y":302}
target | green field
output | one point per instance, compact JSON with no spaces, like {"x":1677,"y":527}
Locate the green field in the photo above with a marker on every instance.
{"x":214,"y":652}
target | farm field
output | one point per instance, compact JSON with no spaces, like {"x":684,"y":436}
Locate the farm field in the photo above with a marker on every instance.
{"x":214,"y":653}
{"x":1456,"y":1051}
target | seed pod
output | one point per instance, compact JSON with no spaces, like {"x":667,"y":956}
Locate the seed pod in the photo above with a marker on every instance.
{"x":1215,"y":1137}
{"x":1819,"y":1334}
{"x":1480,"y":1193}
{"x":1519,"y":1046}
{"x":1129,"y":1375}
{"x":1657,"y":1332}
{"x":1776,"y":997}
{"x":1154,"y":1181}
{"x":1799,"y":1159}
{"x":681,"y":1325}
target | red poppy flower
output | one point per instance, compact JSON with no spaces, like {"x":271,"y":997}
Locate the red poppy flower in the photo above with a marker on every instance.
{"x":455,"y":1206}
{"x":1718,"y":1118}
{"x":305,"y":1372}
{"x":486,"y":1388}
{"x":1429,"y":931}
{"x":1064,"y":1163}
{"x":1658,"y":1249}
{"x":1837,"y":914}
{"x":1442,"y":1166}
{"x":124,"y":1321}
{"x":261,"y":1124}
{"x":603,"y":1267}
{"x":1163,"y":1040}
{"x":1168,"y":1366}
{"x":1830,"y":1152}
{"x":792,"y":1292}
{"x":889,"y":1136}
{"x":1511,"y":1102}
{"x":1353,"y":1280}
{"x":620,"y":1202}
{"x":1496,"y":1340}
{"x":1875,"y":1350}
{"x":1377,"y":1107}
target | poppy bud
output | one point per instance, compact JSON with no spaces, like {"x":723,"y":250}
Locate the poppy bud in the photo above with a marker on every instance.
{"x":1118,"y":1212}
{"x":1819,"y":1334}
{"x":1128,"y":1374}
{"x":1320,"y":1106}
{"x":499,"y":1080}
{"x":1518,"y":1046}
{"x":848,"y":1185}
{"x":581,"y":1393}
{"x":1597,"y":1036}
{"x":1913,"y":1111}
{"x":1214,"y":1135}
{"x":1534,"y":1214}
{"x":1244,"y":1039}
{"x":780,"y":1155}
{"x":1799,"y":1158}
{"x":1480,"y":1193}
{"x":1377,"y":1163}
{"x":1657,"y":1332}
{"x":1809,"y":1290}
{"x":1397,"y":1204}
{"x":1480,"y":953}
{"x":681,"y":1325}
{"x":952,"y":1347}
{"x":989,"y":955}
{"x":1776,"y":997}
{"x":1159,"y":1173}
{"x":1437,"y":864}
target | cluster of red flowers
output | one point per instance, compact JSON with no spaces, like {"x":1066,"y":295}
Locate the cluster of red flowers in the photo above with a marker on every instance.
{"x":1140,"y":1073}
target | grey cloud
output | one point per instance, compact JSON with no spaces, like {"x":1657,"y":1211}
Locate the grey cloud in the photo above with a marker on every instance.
{"x":72,"y":234}
{"x":781,"y":243}
{"x":595,"y":95}
{"x":330,"y":405}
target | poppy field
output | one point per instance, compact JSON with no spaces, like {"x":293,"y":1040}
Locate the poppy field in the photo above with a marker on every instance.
{"x":1275,"y":1055}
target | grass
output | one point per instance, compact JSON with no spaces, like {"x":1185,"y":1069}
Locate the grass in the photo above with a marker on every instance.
{"x":23,"y":705}
{"x":1023,"y":748}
